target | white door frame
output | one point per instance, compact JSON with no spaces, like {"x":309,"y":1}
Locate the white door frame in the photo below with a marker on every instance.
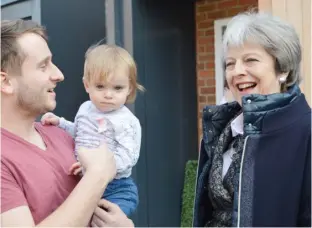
{"x":219,"y":70}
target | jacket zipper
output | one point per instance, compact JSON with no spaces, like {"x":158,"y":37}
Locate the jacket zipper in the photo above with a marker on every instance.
{"x":240,"y":182}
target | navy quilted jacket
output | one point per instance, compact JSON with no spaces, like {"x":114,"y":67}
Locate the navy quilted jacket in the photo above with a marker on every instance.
{"x":275,"y":175}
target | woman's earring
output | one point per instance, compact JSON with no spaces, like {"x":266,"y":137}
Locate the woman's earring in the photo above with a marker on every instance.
{"x":282,"y":79}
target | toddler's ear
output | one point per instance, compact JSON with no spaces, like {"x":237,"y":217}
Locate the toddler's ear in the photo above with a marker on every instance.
{"x":86,"y":84}
{"x":130,"y":90}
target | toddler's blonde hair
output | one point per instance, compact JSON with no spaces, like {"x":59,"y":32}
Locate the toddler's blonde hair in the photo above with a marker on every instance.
{"x":102,"y":60}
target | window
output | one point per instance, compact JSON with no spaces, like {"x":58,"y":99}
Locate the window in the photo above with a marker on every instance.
{"x":28,"y":10}
{"x":219,"y":29}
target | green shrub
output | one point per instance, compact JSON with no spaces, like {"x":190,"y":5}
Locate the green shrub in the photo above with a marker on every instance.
{"x":188,"y":194}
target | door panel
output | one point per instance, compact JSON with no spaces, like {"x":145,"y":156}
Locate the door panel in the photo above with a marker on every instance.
{"x":164,"y":48}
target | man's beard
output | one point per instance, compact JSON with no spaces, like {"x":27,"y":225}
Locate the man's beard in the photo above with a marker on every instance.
{"x":33,"y":102}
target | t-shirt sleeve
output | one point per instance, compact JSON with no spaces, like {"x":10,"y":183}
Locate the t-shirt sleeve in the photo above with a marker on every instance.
{"x":12,"y":195}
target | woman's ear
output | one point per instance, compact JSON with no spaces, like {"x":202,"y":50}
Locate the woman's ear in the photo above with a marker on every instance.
{"x":282,"y":78}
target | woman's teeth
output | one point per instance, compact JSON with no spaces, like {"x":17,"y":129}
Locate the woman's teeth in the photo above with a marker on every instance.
{"x":246,"y":85}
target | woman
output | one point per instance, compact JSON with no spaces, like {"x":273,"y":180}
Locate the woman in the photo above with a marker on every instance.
{"x":255,"y":158}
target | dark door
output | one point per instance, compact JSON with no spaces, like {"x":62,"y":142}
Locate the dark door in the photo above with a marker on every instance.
{"x":73,"y":26}
{"x":164,"y":48}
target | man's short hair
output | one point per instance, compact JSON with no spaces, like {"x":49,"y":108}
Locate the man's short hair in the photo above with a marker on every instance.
{"x":12,"y":55}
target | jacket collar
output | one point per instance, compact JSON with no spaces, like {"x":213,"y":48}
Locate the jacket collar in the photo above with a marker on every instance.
{"x":265,"y":113}
{"x":262,"y":113}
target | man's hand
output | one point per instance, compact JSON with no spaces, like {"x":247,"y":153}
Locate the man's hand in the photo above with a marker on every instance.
{"x":50,"y":118}
{"x":108,"y":214}
{"x":98,"y":160}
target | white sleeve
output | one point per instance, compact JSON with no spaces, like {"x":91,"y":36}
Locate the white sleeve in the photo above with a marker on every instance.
{"x":127,"y":151}
{"x":68,"y":126}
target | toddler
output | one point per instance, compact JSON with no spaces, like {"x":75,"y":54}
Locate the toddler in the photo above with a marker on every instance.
{"x":110,"y":79}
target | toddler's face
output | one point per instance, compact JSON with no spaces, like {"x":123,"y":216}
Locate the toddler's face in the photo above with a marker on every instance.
{"x":112,"y":94}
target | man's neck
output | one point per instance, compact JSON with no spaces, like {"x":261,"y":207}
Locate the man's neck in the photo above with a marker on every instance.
{"x":18,"y":122}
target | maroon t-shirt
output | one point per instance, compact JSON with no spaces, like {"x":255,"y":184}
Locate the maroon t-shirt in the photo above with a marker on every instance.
{"x":34,"y":177}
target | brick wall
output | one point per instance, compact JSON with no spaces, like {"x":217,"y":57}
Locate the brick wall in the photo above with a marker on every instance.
{"x":207,"y":11}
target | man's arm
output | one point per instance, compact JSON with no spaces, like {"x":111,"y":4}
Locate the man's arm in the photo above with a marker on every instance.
{"x":78,"y":208}
{"x":9,"y":218}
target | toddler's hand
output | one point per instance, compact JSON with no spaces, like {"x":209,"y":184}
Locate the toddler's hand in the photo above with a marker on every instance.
{"x":50,"y":118}
{"x":75,"y":169}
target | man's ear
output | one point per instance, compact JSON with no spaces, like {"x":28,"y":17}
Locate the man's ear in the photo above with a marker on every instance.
{"x":6,"y":84}
{"x":86,"y":84}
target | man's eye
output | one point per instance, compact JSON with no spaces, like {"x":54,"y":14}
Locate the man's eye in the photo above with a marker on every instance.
{"x":99,"y":86}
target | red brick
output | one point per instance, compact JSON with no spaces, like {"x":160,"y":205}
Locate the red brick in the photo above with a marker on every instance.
{"x":200,"y":48}
{"x":205,"y":24}
{"x":234,"y":11}
{"x":211,"y":99}
{"x":248,"y":2}
{"x":200,"y":3}
{"x":202,"y":99}
{"x":210,"y":81}
{"x":201,"y":66}
{"x":206,"y":57}
{"x":203,"y":73}
{"x":210,"y":65}
{"x":209,"y":32}
{"x":206,"y":73}
{"x":205,"y":40}
{"x":201,"y":17}
{"x":227,"y":4}
{"x":207,"y":7}
{"x":217,"y":14}
{"x":201,"y":82}
{"x":201,"y":33}
{"x":205,"y":53}
{"x":207,"y":90}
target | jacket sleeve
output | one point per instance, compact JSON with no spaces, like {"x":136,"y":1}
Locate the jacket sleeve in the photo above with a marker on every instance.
{"x":304,"y":218}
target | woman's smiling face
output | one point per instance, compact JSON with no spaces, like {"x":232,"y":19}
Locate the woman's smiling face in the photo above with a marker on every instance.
{"x":250,"y":70}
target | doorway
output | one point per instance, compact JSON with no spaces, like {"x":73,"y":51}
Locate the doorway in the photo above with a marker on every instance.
{"x":164,"y":48}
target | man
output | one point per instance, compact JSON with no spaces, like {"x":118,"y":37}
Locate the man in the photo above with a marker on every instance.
{"x":36,"y":186}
